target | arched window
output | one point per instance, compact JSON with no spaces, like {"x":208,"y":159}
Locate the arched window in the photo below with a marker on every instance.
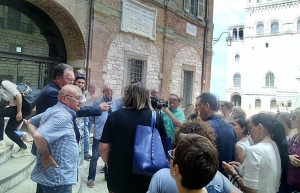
{"x":237,"y":80}
{"x":270,"y":79}
{"x":241,"y":34}
{"x":273,"y":104}
{"x":237,"y":58}
{"x":275,"y":28}
{"x":298,"y":26}
{"x":234,"y":34}
{"x":260,"y":29}
{"x":257,"y":104}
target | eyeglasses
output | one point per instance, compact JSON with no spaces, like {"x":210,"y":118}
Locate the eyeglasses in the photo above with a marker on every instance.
{"x":250,"y":126}
{"x":76,"y":97}
{"x":173,"y":99}
{"x":70,"y":81}
{"x":294,"y":117}
{"x":170,"y":154}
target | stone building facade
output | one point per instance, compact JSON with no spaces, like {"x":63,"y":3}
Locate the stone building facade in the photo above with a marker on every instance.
{"x":88,"y":35}
{"x":263,"y":61}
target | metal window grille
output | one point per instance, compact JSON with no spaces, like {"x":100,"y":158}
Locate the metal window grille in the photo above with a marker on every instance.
{"x":274,"y":28}
{"x":257,"y":104}
{"x":136,"y":71}
{"x":237,"y":80}
{"x":237,"y":58}
{"x":187,"y":87}
{"x":13,"y":22}
{"x":260,"y":29}
{"x":270,"y":79}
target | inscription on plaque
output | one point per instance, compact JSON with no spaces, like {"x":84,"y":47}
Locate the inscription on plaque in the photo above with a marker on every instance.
{"x":139,"y":19}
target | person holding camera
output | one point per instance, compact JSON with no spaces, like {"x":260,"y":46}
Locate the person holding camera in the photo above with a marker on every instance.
{"x":172,"y":115}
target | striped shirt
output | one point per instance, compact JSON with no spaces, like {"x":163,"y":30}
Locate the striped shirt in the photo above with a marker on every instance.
{"x":56,"y":126}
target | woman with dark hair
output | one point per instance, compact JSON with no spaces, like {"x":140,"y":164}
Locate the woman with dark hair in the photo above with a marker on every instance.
{"x":284,"y":117}
{"x":294,"y":153}
{"x":117,"y":141}
{"x":9,"y":92}
{"x":240,"y":126}
{"x":194,"y":163}
{"x":266,"y":164}
{"x":162,"y":182}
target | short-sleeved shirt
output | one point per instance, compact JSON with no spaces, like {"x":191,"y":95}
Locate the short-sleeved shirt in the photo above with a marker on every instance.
{"x":8,"y":90}
{"x":56,"y":127}
{"x":261,"y":169}
{"x":170,"y":126}
{"x":162,"y":182}
{"x":119,"y":131}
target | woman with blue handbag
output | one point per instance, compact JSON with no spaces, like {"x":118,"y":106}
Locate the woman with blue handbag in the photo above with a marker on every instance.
{"x":9,"y":92}
{"x":118,"y":141}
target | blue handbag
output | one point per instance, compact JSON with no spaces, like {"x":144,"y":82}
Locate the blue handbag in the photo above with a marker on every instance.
{"x":149,"y":155}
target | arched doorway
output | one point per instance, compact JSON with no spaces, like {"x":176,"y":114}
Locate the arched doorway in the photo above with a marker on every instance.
{"x":32,"y":43}
{"x":236,"y":99}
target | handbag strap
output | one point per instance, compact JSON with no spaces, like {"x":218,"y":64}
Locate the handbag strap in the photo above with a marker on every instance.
{"x":153,"y":123}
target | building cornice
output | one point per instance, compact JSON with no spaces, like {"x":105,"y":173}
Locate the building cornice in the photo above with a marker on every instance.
{"x":272,"y":6}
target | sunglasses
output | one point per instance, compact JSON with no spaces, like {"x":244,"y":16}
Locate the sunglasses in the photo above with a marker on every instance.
{"x":170,"y":155}
{"x":80,"y":76}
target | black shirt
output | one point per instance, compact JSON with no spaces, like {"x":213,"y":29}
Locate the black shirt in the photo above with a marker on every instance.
{"x":119,"y":131}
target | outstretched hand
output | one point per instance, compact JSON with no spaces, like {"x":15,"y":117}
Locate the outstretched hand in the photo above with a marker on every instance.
{"x":47,"y":161}
{"x":105,"y":106}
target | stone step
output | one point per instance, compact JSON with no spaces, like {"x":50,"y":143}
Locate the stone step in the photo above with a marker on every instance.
{"x":5,"y":154}
{"x":14,"y":171}
{"x":28,"y":186}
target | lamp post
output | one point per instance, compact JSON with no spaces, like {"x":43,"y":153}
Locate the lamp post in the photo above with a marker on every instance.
{"x":228,"y":39}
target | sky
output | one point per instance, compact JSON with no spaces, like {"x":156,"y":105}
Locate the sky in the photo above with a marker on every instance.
{"x":226,"y":13}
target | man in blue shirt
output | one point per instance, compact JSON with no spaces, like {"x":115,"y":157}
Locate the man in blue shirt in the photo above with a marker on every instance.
{"x":53,"y":131}
{"x":226,"y":136}
{"x":99,"y":122}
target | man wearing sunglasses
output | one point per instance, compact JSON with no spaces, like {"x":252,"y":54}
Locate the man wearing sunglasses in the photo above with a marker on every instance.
{"x":173,"y":116}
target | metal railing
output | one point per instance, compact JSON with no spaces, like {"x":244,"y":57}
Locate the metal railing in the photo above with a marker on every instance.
{"x":15,"y":25}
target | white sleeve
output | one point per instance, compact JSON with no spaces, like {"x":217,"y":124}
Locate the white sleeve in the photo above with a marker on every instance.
{"x":10,"y":87}
{"x":253,"y":160}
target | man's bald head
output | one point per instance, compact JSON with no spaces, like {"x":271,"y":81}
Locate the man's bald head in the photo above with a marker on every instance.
{"x":70,"y":95}
{"x":67,"y":89}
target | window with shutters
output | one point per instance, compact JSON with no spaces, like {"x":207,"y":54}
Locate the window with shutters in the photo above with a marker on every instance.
{"x":260,"y":29}
{"x":257,"y":104}
{"x":195,"y":8}
{"x":269,"y":79}
{"x":187,"y":91}
{"x":237,"y":80}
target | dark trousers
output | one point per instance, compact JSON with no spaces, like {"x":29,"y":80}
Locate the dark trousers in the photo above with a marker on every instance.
{"x":12,"y":124}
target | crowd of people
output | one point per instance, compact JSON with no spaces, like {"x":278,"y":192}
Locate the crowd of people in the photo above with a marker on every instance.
{"x":216,"y":147}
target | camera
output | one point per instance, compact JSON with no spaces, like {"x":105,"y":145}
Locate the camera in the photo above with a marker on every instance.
{"x":158,"y":103}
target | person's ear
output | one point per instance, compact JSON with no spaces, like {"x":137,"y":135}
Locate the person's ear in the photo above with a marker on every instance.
{"x":175,"y":170}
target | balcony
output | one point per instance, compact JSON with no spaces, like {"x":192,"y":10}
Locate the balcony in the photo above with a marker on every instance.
{"x":15,"y":25}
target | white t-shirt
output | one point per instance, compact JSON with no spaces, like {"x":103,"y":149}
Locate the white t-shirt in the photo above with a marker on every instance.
{"x":244,"y":144}
{"x":261,"y":169}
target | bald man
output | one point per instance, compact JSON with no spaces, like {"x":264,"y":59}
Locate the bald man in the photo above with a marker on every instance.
{"x":57,"y":142}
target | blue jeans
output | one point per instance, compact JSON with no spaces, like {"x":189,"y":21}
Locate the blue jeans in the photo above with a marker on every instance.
{"x":86,"y":135}
{"x":57,"y":189}
{"x":94,"y":160}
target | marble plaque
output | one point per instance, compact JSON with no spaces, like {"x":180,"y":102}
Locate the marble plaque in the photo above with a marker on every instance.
{"x":139,"y":19}
{"x":191,"y":29}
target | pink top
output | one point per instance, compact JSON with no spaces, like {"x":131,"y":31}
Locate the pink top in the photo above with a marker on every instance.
{"x":294,"y":172}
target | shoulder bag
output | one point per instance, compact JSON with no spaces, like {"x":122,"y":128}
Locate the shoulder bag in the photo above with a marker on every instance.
{"x":149,"y":154}
{"x":29,"y":95}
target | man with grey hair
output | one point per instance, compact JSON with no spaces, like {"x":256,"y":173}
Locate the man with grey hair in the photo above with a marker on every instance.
{"x":62,"y":75}
{"x":53,"y":132}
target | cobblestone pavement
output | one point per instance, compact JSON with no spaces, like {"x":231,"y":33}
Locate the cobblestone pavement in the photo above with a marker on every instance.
{"x":100,"y":183}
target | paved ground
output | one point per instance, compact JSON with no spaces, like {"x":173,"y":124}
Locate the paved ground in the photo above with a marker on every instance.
{"x":100,"y":183}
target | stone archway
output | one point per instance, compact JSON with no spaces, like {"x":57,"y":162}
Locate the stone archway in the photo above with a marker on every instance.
{"x":68,"y":26}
